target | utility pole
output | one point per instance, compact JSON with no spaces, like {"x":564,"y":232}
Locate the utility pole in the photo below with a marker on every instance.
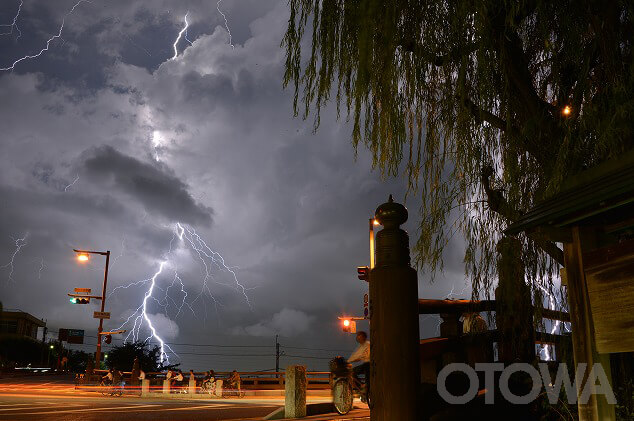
{"x":103,"y":305}
{"x":277,"y":356}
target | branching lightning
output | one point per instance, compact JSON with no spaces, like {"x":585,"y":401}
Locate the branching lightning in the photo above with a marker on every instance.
{"x":552,"y":304}
{"x":211,"y":261}
{"x":48,"y":42}
{"x":181,"y":34}
{"x":19,"y":244}
{"x":226,"y":23}
{"x":14,"y":25}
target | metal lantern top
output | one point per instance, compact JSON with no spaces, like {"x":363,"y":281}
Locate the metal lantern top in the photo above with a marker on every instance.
{"x":391,"y":214}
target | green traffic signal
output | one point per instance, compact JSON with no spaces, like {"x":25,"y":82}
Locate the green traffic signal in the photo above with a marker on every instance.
{"x":79,"y":300}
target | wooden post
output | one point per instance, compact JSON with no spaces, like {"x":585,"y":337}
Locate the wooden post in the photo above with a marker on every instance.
{"x":583,"y":345}
{"x":166,"y":387}
{"x":394,"y":334}
{"x":145,"y":387}
{"x":295,"y":392}
{"x":192,"y":386}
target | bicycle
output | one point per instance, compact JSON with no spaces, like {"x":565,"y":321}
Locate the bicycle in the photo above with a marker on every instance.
{"x":345,"y":387}
{"x":109,"y":389}
{"x":228,"y":392}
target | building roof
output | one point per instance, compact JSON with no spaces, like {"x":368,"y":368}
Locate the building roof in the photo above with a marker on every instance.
{"x":14,"y":315}
{"x":605,"y":187}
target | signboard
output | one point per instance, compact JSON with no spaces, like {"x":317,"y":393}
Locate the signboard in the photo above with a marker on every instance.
{"x":610,"y":281}
{"x":101,"y":315}
{"x":84,"y":290}
{"x":72,"y":336}
{"x":366,"y":311}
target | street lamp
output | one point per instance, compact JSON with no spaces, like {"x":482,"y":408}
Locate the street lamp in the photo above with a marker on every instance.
{"x":84,"y":256}
{"x":372,"y":223}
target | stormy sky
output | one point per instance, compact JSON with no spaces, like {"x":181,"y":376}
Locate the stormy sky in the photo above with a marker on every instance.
{"x":193,"y":166}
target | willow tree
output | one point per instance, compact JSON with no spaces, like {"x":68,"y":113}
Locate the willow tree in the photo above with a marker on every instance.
{"x":486,"y":107}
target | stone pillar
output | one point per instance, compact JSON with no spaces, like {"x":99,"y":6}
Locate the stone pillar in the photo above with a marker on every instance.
{"x":192,"y":386}
{"x":394,"y":335}
{"x":145,"y":387}
{"x":166,"y":386}
{"x":295,"y":392}
{"x":134,"y":377}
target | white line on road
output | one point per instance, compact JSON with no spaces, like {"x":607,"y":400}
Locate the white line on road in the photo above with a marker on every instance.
{"x":109,"y":409}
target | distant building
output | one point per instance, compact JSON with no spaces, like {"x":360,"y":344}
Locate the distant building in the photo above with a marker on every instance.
{"x":19,"y":323}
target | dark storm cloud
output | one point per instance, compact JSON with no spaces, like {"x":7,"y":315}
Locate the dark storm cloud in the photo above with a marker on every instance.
{"x":154,"y":186}
{"x":211,"y":128}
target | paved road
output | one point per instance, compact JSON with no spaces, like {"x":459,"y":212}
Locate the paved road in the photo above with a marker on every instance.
{"x":51,"y":398}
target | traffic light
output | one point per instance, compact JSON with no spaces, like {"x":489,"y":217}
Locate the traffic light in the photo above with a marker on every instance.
{"x":108,"y":339}
{"x":349,"y":326}
{"x":363,"y":272}
{"x":79,"y":300}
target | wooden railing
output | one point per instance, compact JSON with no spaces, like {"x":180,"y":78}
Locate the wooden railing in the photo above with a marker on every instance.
{"x":454,"y":346}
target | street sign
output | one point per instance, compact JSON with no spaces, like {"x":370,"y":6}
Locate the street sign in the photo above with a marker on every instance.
{"x":85,"y":290}
{"x":72,"y":336}
{"x":101,"y":315}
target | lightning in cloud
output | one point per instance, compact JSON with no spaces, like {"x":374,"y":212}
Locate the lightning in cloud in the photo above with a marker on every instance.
{"x":39,"y":272}
{"x":71,"y":184}
{"x":48,"y":42}
{"x":183,"y":32}
{"x":211,"y":262}
{"x":19,"y":244}
{"x":226,"y":22}
{"x":14,"y":25}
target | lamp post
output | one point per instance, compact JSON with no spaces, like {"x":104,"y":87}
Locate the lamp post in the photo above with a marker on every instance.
{"x":83,"y":256}
{"x":372,"y":223}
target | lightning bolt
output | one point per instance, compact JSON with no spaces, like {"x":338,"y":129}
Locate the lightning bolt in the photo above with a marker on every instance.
{"x":48,"y":42}
{"x":180,"y":35}
{"x":39,"y":273}
{"x":552,"y":304}
{"x":226,"y":23}
{"x":14,"y":24}
{"x":210,"y":261}
{"x":71,"y":184}
{"x":19,"y":243}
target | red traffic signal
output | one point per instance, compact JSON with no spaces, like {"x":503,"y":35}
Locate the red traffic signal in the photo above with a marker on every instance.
{"x":363,"y":273}
{"x":349,"y":326}
{"x":108,"y":339}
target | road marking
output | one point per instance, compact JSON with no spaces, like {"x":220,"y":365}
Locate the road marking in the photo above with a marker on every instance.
{"x":109,"y":408}
{"x":33,"y":408}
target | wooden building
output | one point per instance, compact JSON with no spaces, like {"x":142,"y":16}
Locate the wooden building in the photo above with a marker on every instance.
{"x":593,"y":216}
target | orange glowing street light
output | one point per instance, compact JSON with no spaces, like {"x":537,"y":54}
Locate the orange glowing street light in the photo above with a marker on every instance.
{"x":83,"y":257}
{"x":566,"y":110}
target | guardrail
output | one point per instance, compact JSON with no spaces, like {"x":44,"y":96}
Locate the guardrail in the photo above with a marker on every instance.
{"x":249,"y":380}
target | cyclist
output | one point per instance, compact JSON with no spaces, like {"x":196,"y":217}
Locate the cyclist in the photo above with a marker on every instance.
{"x":234,"y":381}
{"x":109,"y":377}
{"x":209,"y":382}
{"x":362,"y":354}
